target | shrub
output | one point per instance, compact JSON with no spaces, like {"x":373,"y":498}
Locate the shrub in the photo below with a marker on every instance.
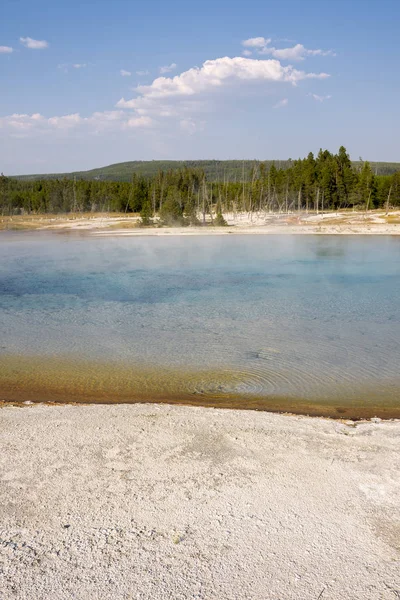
{"x":171,"y":212}
{"x":146,"y":213}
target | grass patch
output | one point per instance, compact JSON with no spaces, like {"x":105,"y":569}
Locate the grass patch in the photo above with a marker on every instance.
{"x":125,"y":225}
{"x":19,"y":226}
{"x":393,"y":220}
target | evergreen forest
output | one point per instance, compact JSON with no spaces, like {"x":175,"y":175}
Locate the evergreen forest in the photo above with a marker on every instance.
{"x":186,"y":194}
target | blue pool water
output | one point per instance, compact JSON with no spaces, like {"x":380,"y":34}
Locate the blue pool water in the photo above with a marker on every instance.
{"x":313,"y":317}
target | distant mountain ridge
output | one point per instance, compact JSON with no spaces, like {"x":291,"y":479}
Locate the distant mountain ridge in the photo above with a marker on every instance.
{"x":215,"y":170}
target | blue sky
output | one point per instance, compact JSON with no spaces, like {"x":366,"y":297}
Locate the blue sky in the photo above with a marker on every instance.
{"x":85,"y":84}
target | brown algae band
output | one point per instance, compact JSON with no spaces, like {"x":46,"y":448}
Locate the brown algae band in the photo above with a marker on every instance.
{"x":76,"y":380}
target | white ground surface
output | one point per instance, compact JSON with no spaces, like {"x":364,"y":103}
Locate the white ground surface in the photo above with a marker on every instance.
{"x":258,"y":223}
{"x":157,"y":502}
{"x":331,"y":223}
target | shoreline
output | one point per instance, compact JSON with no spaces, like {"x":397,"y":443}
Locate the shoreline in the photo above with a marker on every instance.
{"x":105,"y":501}
{"x":66,"y":380}
{"x":346,"y":414}
{"x":355,"y":421}
{"x":100,"y":225}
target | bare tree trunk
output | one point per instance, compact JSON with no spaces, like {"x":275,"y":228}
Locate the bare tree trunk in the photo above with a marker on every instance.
{"x":286,"y":197}
{"x":129,"y":197}
{"x":225,"y":192}
{"x":317,"y":199}
{"x":74,"y":208}
{"x":369,"y":197}
{"x":210,"y":204}
{"x":243,"y":194}
{"x":388,"y":200}
{"x":198,"y":202}
{"x":204,"y":201}
{"x":161,"y":193}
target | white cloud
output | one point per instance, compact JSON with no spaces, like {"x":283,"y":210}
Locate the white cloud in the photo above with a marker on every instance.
{"x":140,"y":122}
{"x":109,"y":120}
{"x":320,"y":98}
{"x":125,"y":73}
{"x":215,"y":74}
{"x":282,"y":103}
{"x":175,"y":101}
{"x":183,"y":98}
{"x":65,"y":67}
{"x":107,"y":116}
{"x":141,"y":73}
{"x":33,"y":44}
{"x":21,"y":122}
{"x":114,"y":120}
{"x":168,"y":68}
{"x":320,"y":52}
{"x":6,"y":49}
{"x":65,"y":122}
{"x":37,"y":123}
{"x":296,"y":52}
{"x":257,"y":42}
{"x":247,"y":53}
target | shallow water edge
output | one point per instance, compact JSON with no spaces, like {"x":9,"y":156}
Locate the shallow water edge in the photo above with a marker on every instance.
{"x":74,"y":380}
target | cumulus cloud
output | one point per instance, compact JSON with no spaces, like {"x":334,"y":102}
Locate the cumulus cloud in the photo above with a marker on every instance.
{"x":184,"y":97}
{"x":29,"y":42}
{"x":107,"y":116}
{"x":140,"y":122}
{"x":178,"y":100}
{"x":6,"y":49}
{"x":247,"y":53}
{"x":125,"y":73}
{"x":168,"y":68}
{"x":21,"y":122}
{"x":297,"y":52}
{"x":141,"y":73}
{"x":256,"y":42}
{"x":114,"y":120}
{"x":282,"y":103}
{"x":215,"y":74}
{"x":65,"y":122}
{"x":320,"y":98}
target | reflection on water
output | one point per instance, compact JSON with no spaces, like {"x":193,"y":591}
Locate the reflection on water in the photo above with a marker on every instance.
{"x":307,"y":324}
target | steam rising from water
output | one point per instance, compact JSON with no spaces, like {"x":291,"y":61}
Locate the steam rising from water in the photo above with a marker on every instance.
{"x":301,"y":317}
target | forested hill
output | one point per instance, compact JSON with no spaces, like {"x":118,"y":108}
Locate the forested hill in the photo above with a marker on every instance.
{"x":215,"y":170}
{"x":325,"y":182}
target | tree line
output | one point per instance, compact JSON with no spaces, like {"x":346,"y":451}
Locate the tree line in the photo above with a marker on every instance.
{"x":322,"y":183}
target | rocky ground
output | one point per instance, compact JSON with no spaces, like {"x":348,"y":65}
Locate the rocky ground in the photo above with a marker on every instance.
{"x":154,"y":502}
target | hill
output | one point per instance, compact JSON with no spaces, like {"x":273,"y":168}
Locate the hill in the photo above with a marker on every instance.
{"x":215,"y":170}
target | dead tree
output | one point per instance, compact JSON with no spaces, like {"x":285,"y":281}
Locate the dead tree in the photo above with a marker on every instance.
{"x":388,"y":200}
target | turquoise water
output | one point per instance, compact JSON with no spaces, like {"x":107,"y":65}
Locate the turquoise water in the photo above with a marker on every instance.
{"x":313,"y":317}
